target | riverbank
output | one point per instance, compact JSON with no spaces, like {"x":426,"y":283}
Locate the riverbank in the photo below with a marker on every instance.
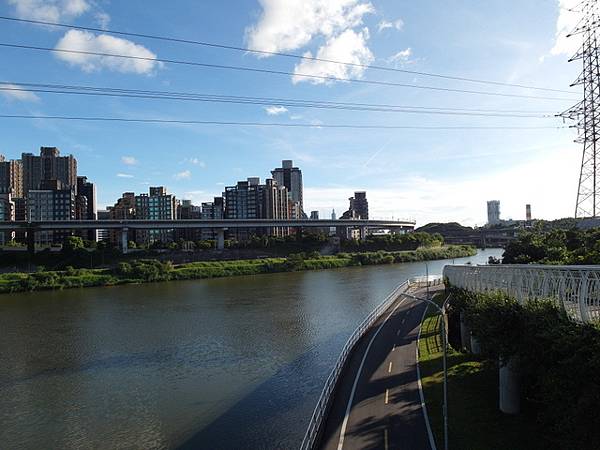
{"x":144,"y":271}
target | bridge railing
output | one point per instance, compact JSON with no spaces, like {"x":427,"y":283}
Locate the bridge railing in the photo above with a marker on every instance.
{"x":574,"y":288}
{"x":323,"y":404}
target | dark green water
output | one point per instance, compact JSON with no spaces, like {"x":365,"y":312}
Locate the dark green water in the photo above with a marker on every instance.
{"x":225,"y":363}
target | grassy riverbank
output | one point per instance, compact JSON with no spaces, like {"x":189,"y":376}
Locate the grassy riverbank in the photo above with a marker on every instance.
{"x":142,"y":271}
{"x":475,"y":422}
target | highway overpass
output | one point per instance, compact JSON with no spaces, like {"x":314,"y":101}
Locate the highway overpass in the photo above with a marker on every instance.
{"x":220,"y":226}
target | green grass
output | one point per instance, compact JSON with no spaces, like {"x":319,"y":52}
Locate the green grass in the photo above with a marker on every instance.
{"x":475,"y":422}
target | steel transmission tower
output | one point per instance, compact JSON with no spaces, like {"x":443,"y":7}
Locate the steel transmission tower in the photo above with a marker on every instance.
{"x":586,"y":112}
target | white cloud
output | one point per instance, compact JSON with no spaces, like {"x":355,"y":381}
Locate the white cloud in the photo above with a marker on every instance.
{"x":402,"y":57}
{"x":292,"y":24}
{"x":195,"y":161}
{"x":183,"y":175}
{"x":103,"y":19}
{"x":349,"y":46}
{"x":384,"y":25}
{"x":124,"y":175}
{"x":275,"y":110}
{"x":12,"y":92}
{"x":90,"y":42}
{"x":49,"y":10}
{"x":566,"y":22}
{"x":129,"y":160}
{"x":430,"y":199}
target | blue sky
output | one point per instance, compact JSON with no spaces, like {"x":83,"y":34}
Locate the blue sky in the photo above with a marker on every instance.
{"x":429,"y":175}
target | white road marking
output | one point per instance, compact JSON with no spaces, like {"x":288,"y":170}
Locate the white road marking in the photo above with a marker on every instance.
{"x":385,"y":438}
{"x":387,"y":396}
{"x":390,"y":368}
{"x":362,"y":363}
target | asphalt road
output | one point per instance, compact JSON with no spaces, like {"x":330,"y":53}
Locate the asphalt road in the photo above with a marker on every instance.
{"x":385,"y":411}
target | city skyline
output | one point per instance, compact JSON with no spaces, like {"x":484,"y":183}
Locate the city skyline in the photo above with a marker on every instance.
{"x":429,"y":175}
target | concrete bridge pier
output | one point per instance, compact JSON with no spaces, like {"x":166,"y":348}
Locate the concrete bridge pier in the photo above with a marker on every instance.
{"x":465,"y":334}
{"x":363,"y":233}
{"x":124,"y":240}
{"x":509,"y":399}
{"x":221,"y":239}
{"x":30,"y":241}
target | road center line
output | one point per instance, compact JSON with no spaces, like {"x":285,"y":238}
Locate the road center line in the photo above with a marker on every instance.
{"x":387,"y":396}
{"x":385,"y":438}
{"x":362,"y":363}
{"x":390,"y":368}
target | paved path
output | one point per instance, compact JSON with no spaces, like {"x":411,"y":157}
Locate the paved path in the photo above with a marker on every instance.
{"x":385,"y":412}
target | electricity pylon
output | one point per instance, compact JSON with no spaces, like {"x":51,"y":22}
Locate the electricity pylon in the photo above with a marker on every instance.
{"x":586,"y":112}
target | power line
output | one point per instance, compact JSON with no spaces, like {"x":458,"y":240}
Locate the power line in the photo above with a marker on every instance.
{"x":274,"y":72}
{"x":270,"y":102}
{"x":274,"y":124}
{"x":287,"y":55}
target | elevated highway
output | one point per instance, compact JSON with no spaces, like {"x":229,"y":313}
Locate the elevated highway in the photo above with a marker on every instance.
{"x":220,"y":226}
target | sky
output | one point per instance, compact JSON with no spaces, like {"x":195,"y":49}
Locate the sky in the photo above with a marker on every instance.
{"x":429,"y":175}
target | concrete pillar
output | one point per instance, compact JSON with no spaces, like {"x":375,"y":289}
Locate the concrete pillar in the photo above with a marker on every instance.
{"x":124,"y":240}
{"x":221,"y":239}
{"x":363,"y":233}
{"x":465,"y":334}
{"x":475,"y":346}
{"x":30,"y":241}
{"x":509,"y":399}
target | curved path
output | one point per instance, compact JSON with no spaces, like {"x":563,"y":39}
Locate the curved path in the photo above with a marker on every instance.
{"x":377,"y":403}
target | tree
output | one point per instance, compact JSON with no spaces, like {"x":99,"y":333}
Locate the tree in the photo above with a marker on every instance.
{"x":72,"y":244}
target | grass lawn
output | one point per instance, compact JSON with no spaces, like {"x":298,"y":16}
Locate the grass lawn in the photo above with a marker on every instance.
{"x":475,"y":422}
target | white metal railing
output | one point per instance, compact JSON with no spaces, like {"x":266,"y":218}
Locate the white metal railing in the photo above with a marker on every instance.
{"x":320,"y":412}
{"x":574,"y":288}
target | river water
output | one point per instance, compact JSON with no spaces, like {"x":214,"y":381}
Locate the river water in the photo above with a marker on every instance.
{"x":230,"y":363}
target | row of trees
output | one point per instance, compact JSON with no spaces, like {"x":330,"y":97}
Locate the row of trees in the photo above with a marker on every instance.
{"x":394,"y":242}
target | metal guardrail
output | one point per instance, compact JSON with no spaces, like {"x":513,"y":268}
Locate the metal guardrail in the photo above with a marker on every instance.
{"x":322,"y":407}
{"x":574,"y":288}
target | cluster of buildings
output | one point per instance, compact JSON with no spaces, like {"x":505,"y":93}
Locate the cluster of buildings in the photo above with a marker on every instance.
{"x":280,"y":197}
{"x":45,"y":187}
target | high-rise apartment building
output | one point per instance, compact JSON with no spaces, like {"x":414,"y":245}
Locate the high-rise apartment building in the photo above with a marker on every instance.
{"x":86,"y":205}
{"x":360,"y":204}
{"x":48,"y":166}
{"x":7,"y":213}
{"x":187,"y":211}
{"x":251,"y":200}
{"x":123,"y":209}
{"x":291,"y":178}
{"x":358,"y":208}
{"x":157,"y":205}
{"x":214,"y":210}
{"x":11,"y":177}
{"x":493,"y":212}
{"x":528,"y":213}
{"x":52,"y":201}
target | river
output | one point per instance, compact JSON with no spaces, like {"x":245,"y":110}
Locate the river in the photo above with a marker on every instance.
{"x":230,"y":363}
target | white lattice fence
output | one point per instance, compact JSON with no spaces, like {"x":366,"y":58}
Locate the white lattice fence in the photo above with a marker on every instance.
{"x":575,"y":288}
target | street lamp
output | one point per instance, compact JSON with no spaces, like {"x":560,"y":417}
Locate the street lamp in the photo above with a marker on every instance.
{"x":440,"y":310}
